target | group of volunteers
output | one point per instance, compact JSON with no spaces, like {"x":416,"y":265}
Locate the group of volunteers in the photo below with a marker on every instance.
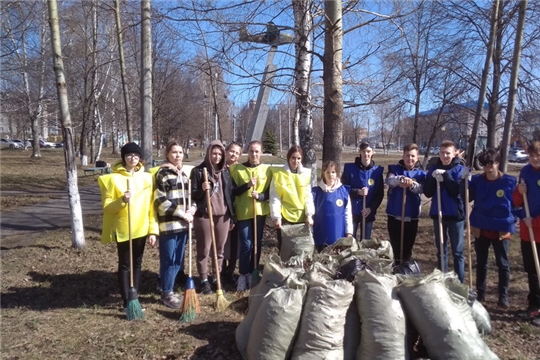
{"x":242,"y":195}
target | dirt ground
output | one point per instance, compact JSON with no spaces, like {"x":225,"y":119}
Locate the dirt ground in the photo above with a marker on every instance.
{"x":59,"y":303}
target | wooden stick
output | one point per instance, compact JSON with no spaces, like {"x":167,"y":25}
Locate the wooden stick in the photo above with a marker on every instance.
{"x":441,"y":239}
{"x":468,"y":223}
{"x":402,"y":235}
{"x":531,"y":235}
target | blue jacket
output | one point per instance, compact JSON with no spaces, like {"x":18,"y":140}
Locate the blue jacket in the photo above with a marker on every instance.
{"x":395,"y":193}
{"x":532,"y":179}
{"x":492,"y":203}
{"x":452,"y":191}
{"x":329,"y":222}
{"x":358,"y":176}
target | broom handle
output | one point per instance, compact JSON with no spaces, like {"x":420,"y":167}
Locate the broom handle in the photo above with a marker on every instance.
{"x":254,"y":231}
{"x":363,"y":218}
{"x":402,"y":235}
{"x":441,"y":240}
{"x":212,"y":233}
{"x":130,"y":240}
{"x":531,"y":235}
{"x":467,"y":219}
{"x":190,"y":227}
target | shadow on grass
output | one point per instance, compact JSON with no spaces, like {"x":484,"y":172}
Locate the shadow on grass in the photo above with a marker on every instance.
{"x":220,"y":337}
{"x":89,"y":289}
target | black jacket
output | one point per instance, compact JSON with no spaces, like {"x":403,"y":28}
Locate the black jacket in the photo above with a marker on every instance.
{"x":199,"y":196}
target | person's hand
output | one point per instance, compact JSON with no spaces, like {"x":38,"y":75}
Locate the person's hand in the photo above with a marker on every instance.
{"x":151,"y":240}
{"x":465,"y":174}
{"x":366,"y":212}
{"x":309,"y":220}
{"x":460,"y":153}
{"x":522,"y":187}
{"x":255,"y":195}
{"x":277,"y":223}
{"x":127,"y":196}
{"x":206,"y":186}
{"x":348,"y":235}
{"x":252,"y":182}
{"x":363,"y":191}
{"x":405,"y":182}
{"x":188,"y":217}
{"x":528,"y":222}
{"x":438,"y":174}
{"x":192,"y":210}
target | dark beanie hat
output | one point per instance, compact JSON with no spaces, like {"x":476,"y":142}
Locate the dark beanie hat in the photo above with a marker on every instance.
{"x":130,"y":148}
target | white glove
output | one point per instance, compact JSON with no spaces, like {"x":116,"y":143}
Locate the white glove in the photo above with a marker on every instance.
{"x":438,"y":172}
{"x":466,"y":173}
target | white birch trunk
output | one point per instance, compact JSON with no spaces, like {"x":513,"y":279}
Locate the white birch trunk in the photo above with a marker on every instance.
{"x":303,"y":120}
{"x":77,"y":228}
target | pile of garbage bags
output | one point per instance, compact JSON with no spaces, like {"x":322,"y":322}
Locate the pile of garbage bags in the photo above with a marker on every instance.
{"x":348,"y":302}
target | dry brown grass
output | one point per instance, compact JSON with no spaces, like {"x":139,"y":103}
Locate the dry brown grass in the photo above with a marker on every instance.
{"x":59,"y":303}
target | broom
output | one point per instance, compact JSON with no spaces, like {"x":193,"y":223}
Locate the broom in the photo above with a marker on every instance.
{"x":221,"y":303}
{"x":363,"y":218}
{"x":531,"y":235}
{"x":133,"y":309}
{"x":467,"y":218}
{"x":402,"y":234}
{"x":255,"y":276}
{"x":439,"y":215}
{"x":190,"y":306}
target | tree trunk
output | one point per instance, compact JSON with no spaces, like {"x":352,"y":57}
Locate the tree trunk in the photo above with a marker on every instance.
{"x":332,"y":76}
{"x":146,"y":82}
{"x":127,"y":104}
{"x":77,"y":228}
{"x":303,"y":26}
{"x":483,"y":85}
{"x":508,"y":121}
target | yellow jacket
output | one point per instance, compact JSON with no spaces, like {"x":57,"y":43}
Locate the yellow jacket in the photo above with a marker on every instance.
{"x":115,"y":211}
{"x":243,"y":203}
{"x":290,"y":194}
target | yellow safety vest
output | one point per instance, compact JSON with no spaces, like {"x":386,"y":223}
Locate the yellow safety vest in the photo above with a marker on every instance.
{"x":291,"y":189}
{"x":244,"y":203}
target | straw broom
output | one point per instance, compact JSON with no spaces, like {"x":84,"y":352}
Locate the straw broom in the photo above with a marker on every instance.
{"x":134,"y":309}
{"x":221,"y":303}
{"x":255,"y":276}
{"x":190,"y":306}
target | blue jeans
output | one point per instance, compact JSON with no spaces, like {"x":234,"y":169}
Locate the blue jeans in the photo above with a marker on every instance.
{"x":245,"y":240}
{"x":452,"y":230}
{"x":171,"y":258}
{"x":500,"y":247}
{"x":357,"y":224}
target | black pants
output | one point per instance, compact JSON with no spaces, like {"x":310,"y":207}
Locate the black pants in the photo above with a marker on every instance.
{"x":229,"y":265}
{"x":409,"y":237}
{"x":500,"y":248}
{"x":123,"y":265}
{"x":530,"y":269}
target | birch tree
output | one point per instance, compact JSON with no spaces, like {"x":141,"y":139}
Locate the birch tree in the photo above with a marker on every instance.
{"x":77,"y":228}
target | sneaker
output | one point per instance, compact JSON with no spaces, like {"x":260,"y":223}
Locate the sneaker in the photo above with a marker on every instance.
{"x":480,"y":297}
{"x":241,"y":284}
{"x":205,"y":288}
{"x":171,"y":300}
{"x":530,"y":313}
{"x":536,"y":322}
{"x":503,"y":301}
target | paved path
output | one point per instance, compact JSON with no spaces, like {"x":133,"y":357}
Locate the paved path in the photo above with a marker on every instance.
{"x":48,"y":215}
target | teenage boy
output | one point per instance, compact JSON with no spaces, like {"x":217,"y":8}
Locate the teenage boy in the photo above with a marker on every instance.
{"x":448,"y":172}
{"x":529,"y":185}
{"x":406,"y":176}
{"x":365,"y":180}
{"x":492,"y":222}
{"x":251,"y":180}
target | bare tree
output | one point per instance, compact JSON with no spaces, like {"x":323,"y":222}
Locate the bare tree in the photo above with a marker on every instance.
{"x":146,"y":82}
{"x":333,"y":88}
{"x":77,"y":228}
{"x":513,"y":85}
